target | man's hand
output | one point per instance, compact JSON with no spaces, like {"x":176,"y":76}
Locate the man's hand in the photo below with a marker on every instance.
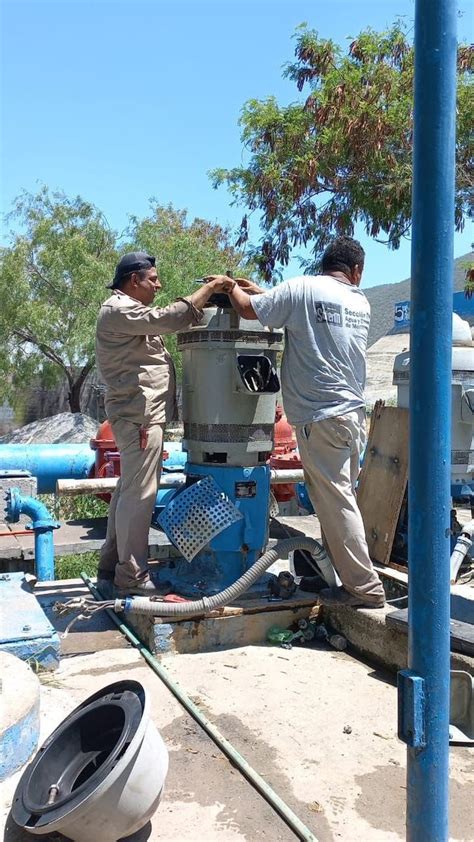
{"x":213,"y":284}
{"x":219,"y":283}
{"x":249,"y":287}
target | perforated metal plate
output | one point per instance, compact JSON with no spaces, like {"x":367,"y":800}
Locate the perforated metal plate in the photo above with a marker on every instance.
{"x":197,"y":515}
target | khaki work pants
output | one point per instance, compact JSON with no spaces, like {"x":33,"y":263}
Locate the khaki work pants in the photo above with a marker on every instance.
{"x":330,"y":452}
{"x":125,"y":552}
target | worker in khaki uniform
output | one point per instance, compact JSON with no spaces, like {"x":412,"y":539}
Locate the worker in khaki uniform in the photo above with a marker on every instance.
{"x":140,"y":399}
{"x":326,"y":320}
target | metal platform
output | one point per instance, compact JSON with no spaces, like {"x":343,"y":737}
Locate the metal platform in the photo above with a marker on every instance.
{"x":25,"y":631}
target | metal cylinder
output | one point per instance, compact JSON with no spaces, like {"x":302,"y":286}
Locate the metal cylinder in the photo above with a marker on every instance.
{"x":462,"y":411}
{"x":48,"y":462}
{"x":230,"y":388}
{"x":425,"y":694}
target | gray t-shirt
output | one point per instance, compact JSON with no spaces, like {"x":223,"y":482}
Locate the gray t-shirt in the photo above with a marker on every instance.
{"x":326,"y":327}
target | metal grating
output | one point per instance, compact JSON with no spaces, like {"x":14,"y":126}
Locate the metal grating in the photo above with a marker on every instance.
{"x":228,"y":433}
{"x":197,"y":515}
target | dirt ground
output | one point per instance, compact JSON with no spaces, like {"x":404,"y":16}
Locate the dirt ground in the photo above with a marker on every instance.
{"x":318,"y":725}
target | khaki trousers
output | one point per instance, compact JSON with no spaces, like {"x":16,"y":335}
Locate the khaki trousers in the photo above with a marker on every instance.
{"x":125,"y":552}
{"x":330,"y":452}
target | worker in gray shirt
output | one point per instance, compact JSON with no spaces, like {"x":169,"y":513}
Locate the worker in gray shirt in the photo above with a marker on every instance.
{"x":140,"y":399}
{"x":326,"y":320}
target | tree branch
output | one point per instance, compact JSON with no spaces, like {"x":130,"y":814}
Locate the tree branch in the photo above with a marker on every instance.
{"x":34,"y":269}
{"x":48,"y":352}
{"x":85,"y":371}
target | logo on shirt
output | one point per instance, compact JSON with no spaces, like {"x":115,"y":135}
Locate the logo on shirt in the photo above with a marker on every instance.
{"x":328,"y":312}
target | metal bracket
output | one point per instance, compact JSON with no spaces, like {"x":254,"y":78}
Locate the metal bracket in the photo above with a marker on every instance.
{"x":411,"y":708}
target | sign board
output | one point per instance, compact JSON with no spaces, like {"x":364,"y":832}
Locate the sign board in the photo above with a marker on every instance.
{"x":401,"y":316}
{"x":463,"y":306}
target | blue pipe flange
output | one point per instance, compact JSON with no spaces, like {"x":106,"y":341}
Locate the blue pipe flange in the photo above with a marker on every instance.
{"x":12,"y":509}
{"x":31,"y":506}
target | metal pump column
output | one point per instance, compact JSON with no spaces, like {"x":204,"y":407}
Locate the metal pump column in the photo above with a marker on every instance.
{"x":424,"y":687}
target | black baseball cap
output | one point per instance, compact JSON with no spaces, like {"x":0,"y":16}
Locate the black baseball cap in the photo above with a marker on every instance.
{"x":131,"y":262}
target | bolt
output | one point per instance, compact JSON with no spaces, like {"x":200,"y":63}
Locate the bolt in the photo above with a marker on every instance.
{"x":26,"y":628}
{"x":53,"y":793}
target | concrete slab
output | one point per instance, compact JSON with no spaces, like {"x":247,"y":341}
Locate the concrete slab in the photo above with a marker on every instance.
{"x":319,"y":726}
{"x":370,"y":635}
{"x":9,"y":545}
{"x":307,"y":525}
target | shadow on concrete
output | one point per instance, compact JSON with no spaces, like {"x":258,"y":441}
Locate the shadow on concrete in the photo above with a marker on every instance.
{"x":13,"y":833}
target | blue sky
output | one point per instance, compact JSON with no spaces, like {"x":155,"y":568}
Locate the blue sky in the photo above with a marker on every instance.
{"x":120,"y":101}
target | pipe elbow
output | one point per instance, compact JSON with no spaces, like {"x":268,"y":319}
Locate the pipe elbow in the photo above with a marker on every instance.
{"x":35,"y":509}
{"x":468,"y":528}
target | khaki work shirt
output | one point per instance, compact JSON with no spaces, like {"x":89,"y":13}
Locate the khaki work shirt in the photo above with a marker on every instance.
{"x":132,"y":360}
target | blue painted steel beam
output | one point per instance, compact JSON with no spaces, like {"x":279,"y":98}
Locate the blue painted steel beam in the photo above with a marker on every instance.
{"x":427,"y":680}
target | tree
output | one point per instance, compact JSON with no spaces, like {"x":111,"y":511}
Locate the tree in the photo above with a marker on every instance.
{"x":53,"y":279}
{"x":185,"y":251}
{"x":343,"y":154}
{"x":52,"y":282}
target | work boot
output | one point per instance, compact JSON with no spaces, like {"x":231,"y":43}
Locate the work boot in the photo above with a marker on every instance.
{"x":105,"y":587}
{"x":143,"y":588}
{"x":339,"y":596}
{"x":313,"y":584}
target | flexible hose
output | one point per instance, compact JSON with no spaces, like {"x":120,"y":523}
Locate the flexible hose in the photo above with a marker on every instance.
{"x":144,"y":605}
{"x":289,"y":817}
{"x":463,"y":544}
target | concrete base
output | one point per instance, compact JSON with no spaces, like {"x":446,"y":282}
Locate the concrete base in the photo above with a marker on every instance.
{"x":367,"y":631}
{"x":238,"y":625}
{"x":20,"y":724}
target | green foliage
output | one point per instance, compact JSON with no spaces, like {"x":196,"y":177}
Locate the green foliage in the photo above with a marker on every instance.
{"x":71,"y":566}
{"x":185,"y":252}
{"x":52,"y":281}
{"x":343,"y":154}
{"x":75,"y":508}
{"x":469,"y":278}
{"x":54,"y":274}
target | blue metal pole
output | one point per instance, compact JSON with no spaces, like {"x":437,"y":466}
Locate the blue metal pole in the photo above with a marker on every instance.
{"x":44,"y":553}
{"x":424,"y":687}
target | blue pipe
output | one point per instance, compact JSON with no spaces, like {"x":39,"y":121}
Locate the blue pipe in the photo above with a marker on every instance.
{"x":48,"y":462}
{"x":424,"y":687}
{"x":42,"y":524}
